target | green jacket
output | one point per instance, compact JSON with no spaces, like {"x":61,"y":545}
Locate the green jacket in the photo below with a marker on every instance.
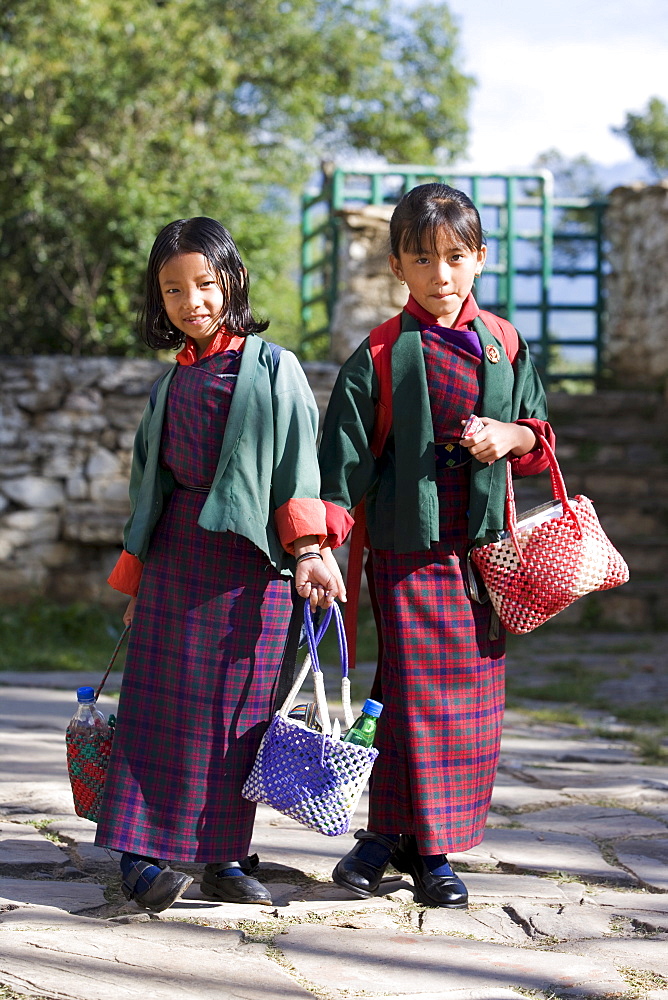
{"x":268,"y":456}
{"x":400,"y":487}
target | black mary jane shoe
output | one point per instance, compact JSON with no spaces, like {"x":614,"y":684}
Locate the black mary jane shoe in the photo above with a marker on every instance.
{"x":164,"y":889}
{"x":431,"y":890}
{"x":358,"y":876}
{"x":233,"y":888}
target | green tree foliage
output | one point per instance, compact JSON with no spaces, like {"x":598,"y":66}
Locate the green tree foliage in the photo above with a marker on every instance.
{"x":648,"y":135}
{"x":117,"y":116}
{"x":574,"y":176}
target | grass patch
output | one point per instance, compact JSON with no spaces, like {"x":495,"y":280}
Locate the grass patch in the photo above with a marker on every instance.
{"x":576,"y":690}
{"x":650,"y":747}
{"x":562,"y":713}
{"x":624,"y":735}
{"x":8,"y":994}
{"x":645,"y":712}
{"x":47,"y":636}
{"x":641,"y":981}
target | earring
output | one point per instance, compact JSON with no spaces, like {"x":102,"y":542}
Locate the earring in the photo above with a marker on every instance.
{"x":401,"y":282}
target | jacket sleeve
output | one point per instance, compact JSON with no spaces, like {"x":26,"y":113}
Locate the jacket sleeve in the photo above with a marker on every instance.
{"x":127,"y":572}
{"x":296,"y":477}
{"x":532,"y":412}
{"x":347,"y":465}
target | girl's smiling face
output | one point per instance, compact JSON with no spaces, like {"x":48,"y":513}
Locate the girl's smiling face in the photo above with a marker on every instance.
{"x":193,"y":299}
{"x":441,"y":277}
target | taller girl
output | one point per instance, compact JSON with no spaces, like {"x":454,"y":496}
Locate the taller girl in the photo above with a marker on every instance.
{"x":225,"y":509}
{"x":392,"y":435}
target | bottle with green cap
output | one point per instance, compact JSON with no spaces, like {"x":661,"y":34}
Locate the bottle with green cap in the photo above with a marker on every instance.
{"x":363,"y":730}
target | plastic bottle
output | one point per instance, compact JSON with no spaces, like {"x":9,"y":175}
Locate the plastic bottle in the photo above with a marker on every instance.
{"x":88,"y":718}
{"x":363,"y":730}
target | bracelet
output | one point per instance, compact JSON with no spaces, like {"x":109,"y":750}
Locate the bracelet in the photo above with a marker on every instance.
{"x":308,"y":555}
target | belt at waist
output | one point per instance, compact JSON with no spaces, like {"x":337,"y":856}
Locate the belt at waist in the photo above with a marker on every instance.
{"x":193,"y":489}
{"x":451,"y":455}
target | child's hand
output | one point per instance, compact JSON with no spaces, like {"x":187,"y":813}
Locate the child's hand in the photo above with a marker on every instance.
{"x":497,"y":439}
{"x":332,"y":565}
{"x":316,"y":582}
{"x":129,"y":612}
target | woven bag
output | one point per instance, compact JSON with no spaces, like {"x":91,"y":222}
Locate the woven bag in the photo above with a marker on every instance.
{"x":552,"y":556}
{"x":313,"y":777}
{"x":88,"y":757}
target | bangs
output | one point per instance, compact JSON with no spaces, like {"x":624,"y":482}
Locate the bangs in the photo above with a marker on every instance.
{"x":443,"y":219}
{"x":428,"y":212}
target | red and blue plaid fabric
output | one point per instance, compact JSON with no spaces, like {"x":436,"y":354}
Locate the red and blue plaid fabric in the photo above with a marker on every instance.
{"x":203,"y":659}
{"x":442,"y":677}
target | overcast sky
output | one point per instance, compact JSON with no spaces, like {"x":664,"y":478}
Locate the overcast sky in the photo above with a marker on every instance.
{"x":559,"y":74}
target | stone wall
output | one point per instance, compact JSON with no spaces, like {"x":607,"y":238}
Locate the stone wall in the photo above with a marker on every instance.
{"x":636,"y":224}
{"x":66,"y":432}
{"x":369,"y":293}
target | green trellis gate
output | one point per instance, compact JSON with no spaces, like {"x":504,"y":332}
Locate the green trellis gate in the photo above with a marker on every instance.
{"x":544,"y":268}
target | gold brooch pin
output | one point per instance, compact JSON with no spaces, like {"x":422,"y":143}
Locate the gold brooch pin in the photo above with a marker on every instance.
{"x":492,"y":354}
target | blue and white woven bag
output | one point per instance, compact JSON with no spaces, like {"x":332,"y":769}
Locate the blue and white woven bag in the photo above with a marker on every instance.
{"x":313,"y":777}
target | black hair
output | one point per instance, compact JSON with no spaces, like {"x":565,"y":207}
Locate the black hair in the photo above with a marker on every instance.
{"x":426,"y":209}
{"x":212,"y":240}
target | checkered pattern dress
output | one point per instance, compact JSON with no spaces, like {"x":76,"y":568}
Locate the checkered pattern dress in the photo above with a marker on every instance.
{"x":442,"y":678}
{"x":203,"y":657}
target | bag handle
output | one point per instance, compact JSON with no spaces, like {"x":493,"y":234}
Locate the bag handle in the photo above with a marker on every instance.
{"x":558,"y":492}
{"x":311,"y":663}
{"x":111,"y":661}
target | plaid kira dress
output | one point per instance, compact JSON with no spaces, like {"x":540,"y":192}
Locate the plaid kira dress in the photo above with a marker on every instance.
{"x":442,"y":678}
{"x":203,"y":658}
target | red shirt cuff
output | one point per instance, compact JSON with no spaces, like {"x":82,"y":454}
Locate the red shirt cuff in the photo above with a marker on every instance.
{"x":126,"y":574}
{"x":536,"y":460}
{"x":339,"y":524}
{"x":298,"y":518}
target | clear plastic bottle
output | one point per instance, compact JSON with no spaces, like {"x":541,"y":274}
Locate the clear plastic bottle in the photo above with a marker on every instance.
{"x":88,"y":718}
{"x":363,"y":730}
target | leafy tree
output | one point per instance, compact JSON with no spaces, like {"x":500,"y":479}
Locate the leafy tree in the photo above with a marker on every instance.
{"x":574,"y":176}
{"x":117,"y":116}
{"x":648,"y":135}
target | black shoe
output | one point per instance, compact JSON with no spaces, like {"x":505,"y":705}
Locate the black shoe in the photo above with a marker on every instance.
{"x":164,"y":889}
{"x":358,"y":876}
{"x":431,"y":890}
{"x":233,"y":888}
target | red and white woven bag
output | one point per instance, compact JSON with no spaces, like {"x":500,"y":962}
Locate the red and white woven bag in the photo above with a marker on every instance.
{"x":560,"y":553}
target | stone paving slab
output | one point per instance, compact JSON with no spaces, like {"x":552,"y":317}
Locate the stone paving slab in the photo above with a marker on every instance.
{"x":622,"y":901}
{"x":39,"y":798}
{"x":31,"y":756}
{"x":559,"y":852}
{"x":160,"y":960}
{"x":339,"y":959}
{"x":649,"y":870}
{"x":647,"y":953}
{"x":509,"y":793}
{"x":279,"y":839}
{"x":538,"y":747}
{"x":593,"y":821}
{"x":569,"y":922}
{"x":492,"y":994}
{"x":75,"y":897}
{"x":490,"y":923}
{"x":18,"y":709}
{"x":484,"y":887}
{"x":23,"y":846}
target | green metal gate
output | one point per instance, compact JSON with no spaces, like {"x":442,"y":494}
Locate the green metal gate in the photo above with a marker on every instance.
{"x":544,"y":266}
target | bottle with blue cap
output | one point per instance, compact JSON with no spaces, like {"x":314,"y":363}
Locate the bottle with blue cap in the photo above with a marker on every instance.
{"x":88,"y":718}
{"x":363,"y":730}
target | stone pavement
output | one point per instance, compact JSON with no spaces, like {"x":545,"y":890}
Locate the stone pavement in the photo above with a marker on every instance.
{"x":569,"y":888}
